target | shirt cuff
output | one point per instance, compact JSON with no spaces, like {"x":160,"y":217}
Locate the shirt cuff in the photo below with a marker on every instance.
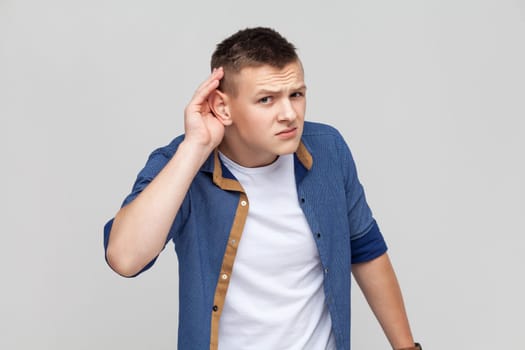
{"x":369,"y":246}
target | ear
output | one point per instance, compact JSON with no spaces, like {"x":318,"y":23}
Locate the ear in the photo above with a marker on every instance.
{"x":218,"y":102}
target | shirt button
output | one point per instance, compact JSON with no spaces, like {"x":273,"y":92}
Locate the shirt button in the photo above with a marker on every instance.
{"x":224,"y":276}
{"x":325,"y":271}
{"x":232,"y":242}
{"x":318,"y":234}
{"x":243,"y":203}
{"x":215,"y":308}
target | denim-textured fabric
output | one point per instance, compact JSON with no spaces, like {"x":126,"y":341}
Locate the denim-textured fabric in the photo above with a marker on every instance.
{"x":332,"y":200}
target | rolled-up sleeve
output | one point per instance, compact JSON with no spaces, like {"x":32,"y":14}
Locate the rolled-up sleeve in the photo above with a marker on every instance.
{"x":369,"y":246}
{"x":367,"y":242}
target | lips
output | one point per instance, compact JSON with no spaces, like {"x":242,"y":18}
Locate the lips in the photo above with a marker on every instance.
{"x":286,"y":131}
{"x":287,"y":134}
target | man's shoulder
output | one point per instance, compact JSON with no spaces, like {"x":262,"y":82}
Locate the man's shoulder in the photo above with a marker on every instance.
{"x":169,"y":150}
{"x":315,"y":134}
{"x":328,"y":149}
{"x":318,"y":129}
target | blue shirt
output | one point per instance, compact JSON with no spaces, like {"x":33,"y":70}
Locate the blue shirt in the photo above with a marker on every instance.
{"x":209,"y":225}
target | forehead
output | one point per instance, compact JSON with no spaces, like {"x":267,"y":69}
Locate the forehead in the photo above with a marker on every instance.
{"x":270,"y":77}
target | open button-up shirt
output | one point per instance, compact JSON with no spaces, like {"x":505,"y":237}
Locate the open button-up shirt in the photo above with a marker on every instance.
{"x":209,"y":226}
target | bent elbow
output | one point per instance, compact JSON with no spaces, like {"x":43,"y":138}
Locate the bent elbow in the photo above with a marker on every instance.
{"x":121,"y":264}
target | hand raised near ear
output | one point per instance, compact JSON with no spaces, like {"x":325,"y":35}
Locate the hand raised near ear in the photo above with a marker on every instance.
{"x":201,"y":127}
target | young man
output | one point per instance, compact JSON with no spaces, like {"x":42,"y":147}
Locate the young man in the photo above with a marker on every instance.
{"x":265,"y":210}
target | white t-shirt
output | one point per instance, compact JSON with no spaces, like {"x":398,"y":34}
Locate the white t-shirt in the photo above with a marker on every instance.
{"x":275,"y":298}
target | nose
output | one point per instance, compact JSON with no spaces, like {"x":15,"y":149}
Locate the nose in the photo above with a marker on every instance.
{"x":288,"y":112}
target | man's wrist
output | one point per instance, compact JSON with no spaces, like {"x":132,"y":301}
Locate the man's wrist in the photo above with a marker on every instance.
{"x":416,"y":346}
{"x":195,"y":150}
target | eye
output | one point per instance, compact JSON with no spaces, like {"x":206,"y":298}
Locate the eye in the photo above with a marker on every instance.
{"x":265,"y":100}
{"x":297,"y":94}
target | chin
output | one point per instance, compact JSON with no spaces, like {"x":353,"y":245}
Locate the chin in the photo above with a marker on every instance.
{"x":289,"y":148}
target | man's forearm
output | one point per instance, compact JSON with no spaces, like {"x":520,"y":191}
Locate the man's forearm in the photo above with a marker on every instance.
{"x":377,"y":280}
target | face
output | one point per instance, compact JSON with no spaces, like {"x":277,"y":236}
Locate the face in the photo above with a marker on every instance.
{"x":267,"y":114}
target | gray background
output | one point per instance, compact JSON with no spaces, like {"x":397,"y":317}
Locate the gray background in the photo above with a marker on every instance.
{"x":429,"y":94}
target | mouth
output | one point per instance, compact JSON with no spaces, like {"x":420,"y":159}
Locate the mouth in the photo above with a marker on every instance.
{"x":287,"y":133}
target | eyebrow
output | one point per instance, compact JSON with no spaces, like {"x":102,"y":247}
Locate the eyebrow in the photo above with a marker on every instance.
{"x":265,"y":91}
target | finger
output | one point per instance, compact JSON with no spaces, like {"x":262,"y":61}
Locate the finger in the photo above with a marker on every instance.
{"x":208,"y":86}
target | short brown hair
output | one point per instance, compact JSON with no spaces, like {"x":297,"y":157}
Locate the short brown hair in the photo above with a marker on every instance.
{"x":251,"y":47}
